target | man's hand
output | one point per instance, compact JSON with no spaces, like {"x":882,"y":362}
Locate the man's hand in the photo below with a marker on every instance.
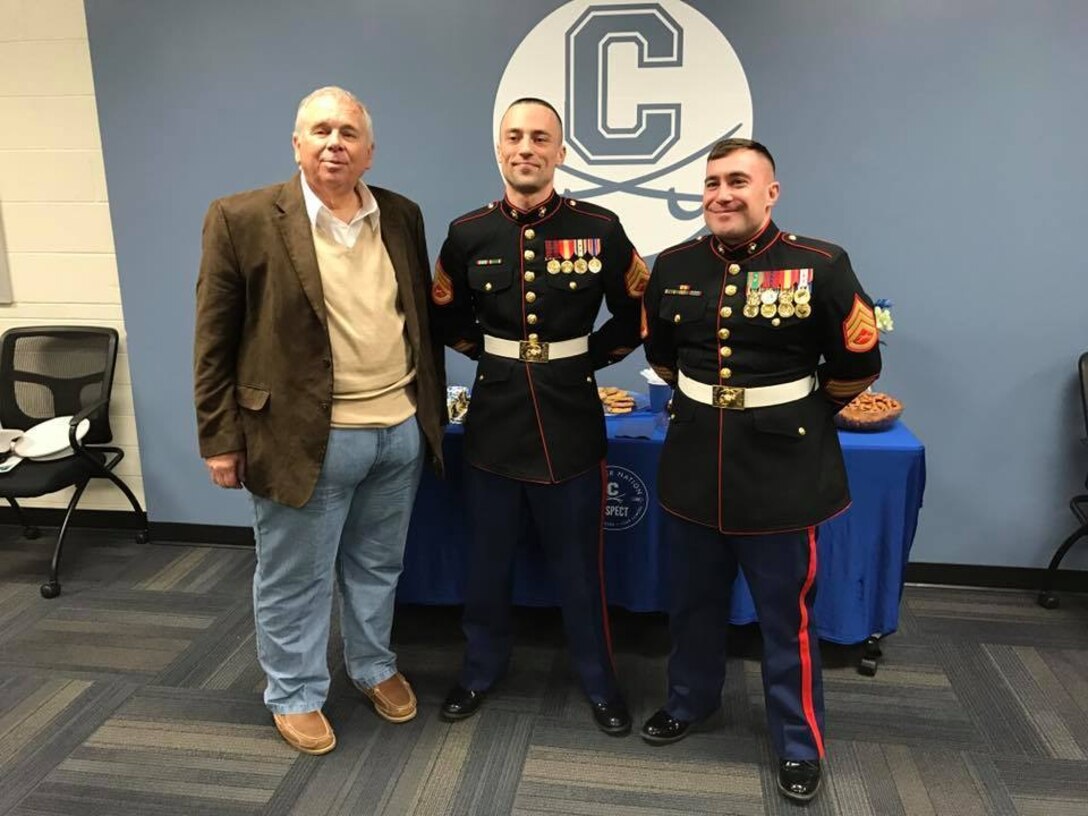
{"x":227,"y":469}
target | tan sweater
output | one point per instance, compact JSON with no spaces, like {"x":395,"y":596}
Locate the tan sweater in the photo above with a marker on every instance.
{"x":373,"y":375}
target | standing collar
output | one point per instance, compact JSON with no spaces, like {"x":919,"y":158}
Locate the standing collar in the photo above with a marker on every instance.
{"x":537,"y":213}
{"x":746,"y":249}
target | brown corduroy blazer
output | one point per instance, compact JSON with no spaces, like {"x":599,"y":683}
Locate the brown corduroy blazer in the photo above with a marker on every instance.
{"x":262,"y":367}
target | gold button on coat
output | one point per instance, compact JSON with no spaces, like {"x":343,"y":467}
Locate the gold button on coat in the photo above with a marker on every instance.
{"x":734,"y":269}
{"x":574,"y":284}
{"x":726,"y":373}
{"x":727,"y":311}
{"x":530,"y":277}
{"x":530,"y":297}
{"x":487,"y":286}
{"x":725,"y":351}
{"x":731,"y":289}
{"x":801,"y":431}
{"x":723,"y":334}
{"x":676,"y":318}
{"x":530,"y":319}
{"x":529,"y":255}
{"x":530,"y":234}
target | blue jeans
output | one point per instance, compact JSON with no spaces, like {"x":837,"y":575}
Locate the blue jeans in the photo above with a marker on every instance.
{"x":353,"y":527}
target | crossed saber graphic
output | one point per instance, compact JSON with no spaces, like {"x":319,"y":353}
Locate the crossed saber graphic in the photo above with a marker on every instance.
{"x":605,"y":186}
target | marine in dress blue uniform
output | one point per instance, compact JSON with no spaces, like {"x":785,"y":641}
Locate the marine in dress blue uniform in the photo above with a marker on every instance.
{"x":518,"y":286}
{"x":766,"y":334}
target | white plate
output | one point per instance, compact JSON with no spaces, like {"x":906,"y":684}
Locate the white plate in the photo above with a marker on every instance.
{"x":48,"y":440}
{"x":7,"y":438}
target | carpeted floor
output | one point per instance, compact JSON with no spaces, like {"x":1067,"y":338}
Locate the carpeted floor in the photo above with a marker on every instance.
{"x":137,"y":692}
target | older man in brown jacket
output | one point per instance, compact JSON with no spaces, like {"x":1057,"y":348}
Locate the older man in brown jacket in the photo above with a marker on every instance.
{"x":319,"y":389}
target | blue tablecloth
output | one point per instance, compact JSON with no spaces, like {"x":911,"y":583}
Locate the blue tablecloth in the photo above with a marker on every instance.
{"x":863,"y":552}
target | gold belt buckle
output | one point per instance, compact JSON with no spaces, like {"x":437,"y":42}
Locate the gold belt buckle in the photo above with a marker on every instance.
{"x":532,"y":351}
{"x":725,"y":396}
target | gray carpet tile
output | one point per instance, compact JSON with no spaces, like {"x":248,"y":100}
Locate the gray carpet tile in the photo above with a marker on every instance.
{"x":138,"y":692}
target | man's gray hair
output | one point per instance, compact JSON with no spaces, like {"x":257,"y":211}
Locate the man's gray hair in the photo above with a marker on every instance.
{"x":340,"y":93}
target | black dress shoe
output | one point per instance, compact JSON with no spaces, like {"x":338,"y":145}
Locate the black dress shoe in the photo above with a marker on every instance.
{"x":461,"y":703}
{"x":799,"y":779}
{"x":662,"y":728}
{"x":612,"y":718}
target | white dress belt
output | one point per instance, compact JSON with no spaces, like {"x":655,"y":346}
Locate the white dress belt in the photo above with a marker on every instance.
{"x":534,"y":351}
{"x":739,"y":399}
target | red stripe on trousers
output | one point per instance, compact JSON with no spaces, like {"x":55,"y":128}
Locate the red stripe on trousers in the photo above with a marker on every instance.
{"x":804,"y":646}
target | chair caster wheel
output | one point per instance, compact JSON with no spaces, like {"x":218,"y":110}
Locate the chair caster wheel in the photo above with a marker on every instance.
{"x":143,"y":537}
{"x":31,"y":533}
{"x":1048,"y":600}
{"x":50,"y":590}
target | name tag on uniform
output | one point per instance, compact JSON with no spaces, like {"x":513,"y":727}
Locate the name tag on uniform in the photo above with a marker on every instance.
{"x":684,"y":291}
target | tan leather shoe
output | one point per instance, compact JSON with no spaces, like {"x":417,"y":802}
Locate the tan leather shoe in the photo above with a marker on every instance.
{"x":309,"y":732}
{"x":393,"y":699}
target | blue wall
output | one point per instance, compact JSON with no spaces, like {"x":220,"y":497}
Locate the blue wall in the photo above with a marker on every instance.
{"x":942,"y":144}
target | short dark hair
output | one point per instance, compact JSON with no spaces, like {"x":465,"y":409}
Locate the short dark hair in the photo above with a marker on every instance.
{"x":727,"y":146}
{"x":534,"y":100}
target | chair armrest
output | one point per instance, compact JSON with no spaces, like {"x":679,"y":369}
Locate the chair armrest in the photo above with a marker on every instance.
{"x":82,"y":415}
{"x":103,"y":468}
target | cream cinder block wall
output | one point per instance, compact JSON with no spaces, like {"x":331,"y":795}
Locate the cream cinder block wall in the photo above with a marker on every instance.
{"x":53,"y":204}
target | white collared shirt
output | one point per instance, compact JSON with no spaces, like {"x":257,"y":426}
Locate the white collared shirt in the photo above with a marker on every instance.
{"x":323,"y":219}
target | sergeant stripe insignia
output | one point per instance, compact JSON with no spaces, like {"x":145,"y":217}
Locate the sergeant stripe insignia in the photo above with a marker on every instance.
{"x":859,"y":329}
{"x":846,"y":390}
{"x":442,"y":288}
{"x":637,"y":276}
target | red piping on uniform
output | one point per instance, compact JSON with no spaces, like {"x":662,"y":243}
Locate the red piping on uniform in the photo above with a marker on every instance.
{"x":539,"y":424}
{"x":688,"y":245}
{"x":678,"y":514}
{"x":521,"y":275}
{"x":540,"y":220}
{"x":721,"y":480}
{"x":818,"y":251}
{"x":721,"y":414}
{"x":804,"y":646}
{"x":508,"y":475}
{"x":472,"y":217}
{"x":600,"y":567}
{"x":586,"y":212}
{"x":750,"y":240}
{"x":770,"y":244}
{"x":836,"y":514}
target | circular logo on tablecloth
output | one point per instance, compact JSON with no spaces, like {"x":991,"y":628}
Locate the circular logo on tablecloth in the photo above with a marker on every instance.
{"x":625,"y":499}
{"x":645,"y":89}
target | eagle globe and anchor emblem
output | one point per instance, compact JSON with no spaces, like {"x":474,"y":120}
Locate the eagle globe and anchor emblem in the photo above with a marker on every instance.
{"x":645,"y":89}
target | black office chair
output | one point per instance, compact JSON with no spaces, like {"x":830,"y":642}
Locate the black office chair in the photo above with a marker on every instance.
{"x":1078,"y":504}
{"x":51,"y":371}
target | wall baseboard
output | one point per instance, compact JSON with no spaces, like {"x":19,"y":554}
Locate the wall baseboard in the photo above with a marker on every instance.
{"x":161,"y":531}
{"x":968,"y":575}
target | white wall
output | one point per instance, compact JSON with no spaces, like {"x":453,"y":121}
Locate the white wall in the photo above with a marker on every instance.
{"x":54,"y":207}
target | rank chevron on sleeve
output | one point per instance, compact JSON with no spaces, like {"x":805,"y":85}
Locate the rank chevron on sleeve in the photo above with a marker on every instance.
{"x":859,"y":328}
